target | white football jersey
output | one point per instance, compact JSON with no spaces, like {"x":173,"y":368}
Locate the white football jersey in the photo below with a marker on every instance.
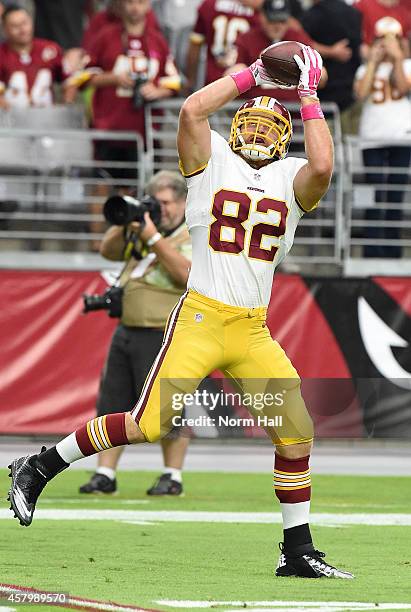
{"x":242,"y":223}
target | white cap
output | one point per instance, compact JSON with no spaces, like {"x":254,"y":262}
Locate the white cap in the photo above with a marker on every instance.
{"x":388,"y":25}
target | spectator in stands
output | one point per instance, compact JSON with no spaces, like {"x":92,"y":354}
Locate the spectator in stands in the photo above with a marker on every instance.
{"x":60,"y":21}
{"x":136,"y":67}
{"x":296,"y":9}
{"x":27,"y":4}
{"x":338,"y":51}
{"x":273,"y":26}
{"x":383,"y":83}
{"x":152,"y":286}
{"x":373,"y":10}
{"x":29,"y":67}
{"x":108,"y":17}
{"x":217,"y":26}
{"x":176,"y":19}
{"x":330,"y":21}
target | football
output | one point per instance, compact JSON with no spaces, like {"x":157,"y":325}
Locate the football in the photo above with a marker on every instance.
{"x":278,"y":59}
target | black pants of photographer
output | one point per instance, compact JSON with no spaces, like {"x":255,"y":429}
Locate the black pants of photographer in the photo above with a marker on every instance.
{"x":132,"y":352}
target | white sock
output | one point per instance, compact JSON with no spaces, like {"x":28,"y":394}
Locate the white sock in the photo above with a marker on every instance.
{"x":174,"y":473}
{"x":106,"y":472}
{"x":68,"y":449}
{"x":295,"y":514}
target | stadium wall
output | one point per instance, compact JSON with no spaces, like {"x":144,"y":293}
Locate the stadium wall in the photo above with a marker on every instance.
{"x":348,"y":338}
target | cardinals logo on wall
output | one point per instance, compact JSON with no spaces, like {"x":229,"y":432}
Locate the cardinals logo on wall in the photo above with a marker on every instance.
{"x":371,"y":322}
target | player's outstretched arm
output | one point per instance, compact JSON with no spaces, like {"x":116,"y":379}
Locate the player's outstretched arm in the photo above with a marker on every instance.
{"x":194,"y":137}
{"x":312,"y":180}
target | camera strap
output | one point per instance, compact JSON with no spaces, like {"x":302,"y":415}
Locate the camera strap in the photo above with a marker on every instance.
{"x":134,"y":247}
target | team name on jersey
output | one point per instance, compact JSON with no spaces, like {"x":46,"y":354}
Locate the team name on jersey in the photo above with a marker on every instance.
{"x":231,"y":6}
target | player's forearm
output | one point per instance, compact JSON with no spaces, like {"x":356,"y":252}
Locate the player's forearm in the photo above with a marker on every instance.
{"x":113,"y":243}
{"x":176,"y":264}
{"x":318,"y":146}
{"x":210,"y":98}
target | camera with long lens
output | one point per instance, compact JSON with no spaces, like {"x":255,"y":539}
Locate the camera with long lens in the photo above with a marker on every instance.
{"x":122,"y":210}
{"x":110,"y":300}
{"x":138,"y":100}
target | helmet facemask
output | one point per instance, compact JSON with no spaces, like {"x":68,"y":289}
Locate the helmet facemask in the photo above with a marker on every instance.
{"x":260,"y":134}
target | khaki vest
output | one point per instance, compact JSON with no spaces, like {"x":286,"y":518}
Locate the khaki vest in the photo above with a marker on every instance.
{"x":149,"y":298}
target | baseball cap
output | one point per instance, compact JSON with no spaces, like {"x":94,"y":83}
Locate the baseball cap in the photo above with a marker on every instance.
{"x":276,"y":10}
{"x":388,"y":25}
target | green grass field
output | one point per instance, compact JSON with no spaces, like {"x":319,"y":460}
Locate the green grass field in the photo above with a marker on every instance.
{"x":147,"y":561}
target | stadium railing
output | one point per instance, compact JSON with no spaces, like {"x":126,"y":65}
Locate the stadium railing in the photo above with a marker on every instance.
{"x":50,"y":191}
{"x":51,"y":184}
{"x":365,"y":222}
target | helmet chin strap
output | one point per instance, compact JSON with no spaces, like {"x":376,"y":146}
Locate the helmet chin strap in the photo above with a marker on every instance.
{"x":262,"y":153}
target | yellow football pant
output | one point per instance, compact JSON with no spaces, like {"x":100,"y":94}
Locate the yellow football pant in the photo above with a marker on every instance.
{"x":203,"y":335}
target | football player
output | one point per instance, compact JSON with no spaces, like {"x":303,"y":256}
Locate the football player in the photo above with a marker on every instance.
{"x":245,"y":199}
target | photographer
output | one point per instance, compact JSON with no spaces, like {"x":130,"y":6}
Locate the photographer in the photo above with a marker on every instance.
{"x":130,"y":65}
{"x":151,"y":287}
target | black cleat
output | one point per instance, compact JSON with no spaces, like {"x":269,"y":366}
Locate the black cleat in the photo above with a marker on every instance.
{"x":164,"y":485}
{"x":309,"y":565}
{"x":26,"y":485}
{"x":99,"y":483}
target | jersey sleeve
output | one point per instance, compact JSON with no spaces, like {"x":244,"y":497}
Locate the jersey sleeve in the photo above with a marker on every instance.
{"x":3,"y":77}
{"x":101,"y":42}
{"x":89,"y":34}
{"x":152,"y":21}
{"x":82,"y":77}
{"x":50,"y":54}
{"x":218,"y":152}
{"x":60,"y":71}
{"x":199,"y":32}
{"x":168,"y":75}
{"x":242,"y":52}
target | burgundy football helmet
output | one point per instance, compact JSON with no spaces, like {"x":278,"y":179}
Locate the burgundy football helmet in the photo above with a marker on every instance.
{"x":261,"y":130}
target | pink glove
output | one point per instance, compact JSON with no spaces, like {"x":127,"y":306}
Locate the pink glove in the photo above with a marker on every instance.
{"x":261,"y":76}
{"x":310,"y":71}
{"x":249,"y":77}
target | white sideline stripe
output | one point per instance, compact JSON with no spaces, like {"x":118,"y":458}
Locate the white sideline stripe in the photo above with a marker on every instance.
{"x":287,"y":606}
{"x":4,"y":609}
{"x":177,"y":516}
{"x":93,"y":500}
